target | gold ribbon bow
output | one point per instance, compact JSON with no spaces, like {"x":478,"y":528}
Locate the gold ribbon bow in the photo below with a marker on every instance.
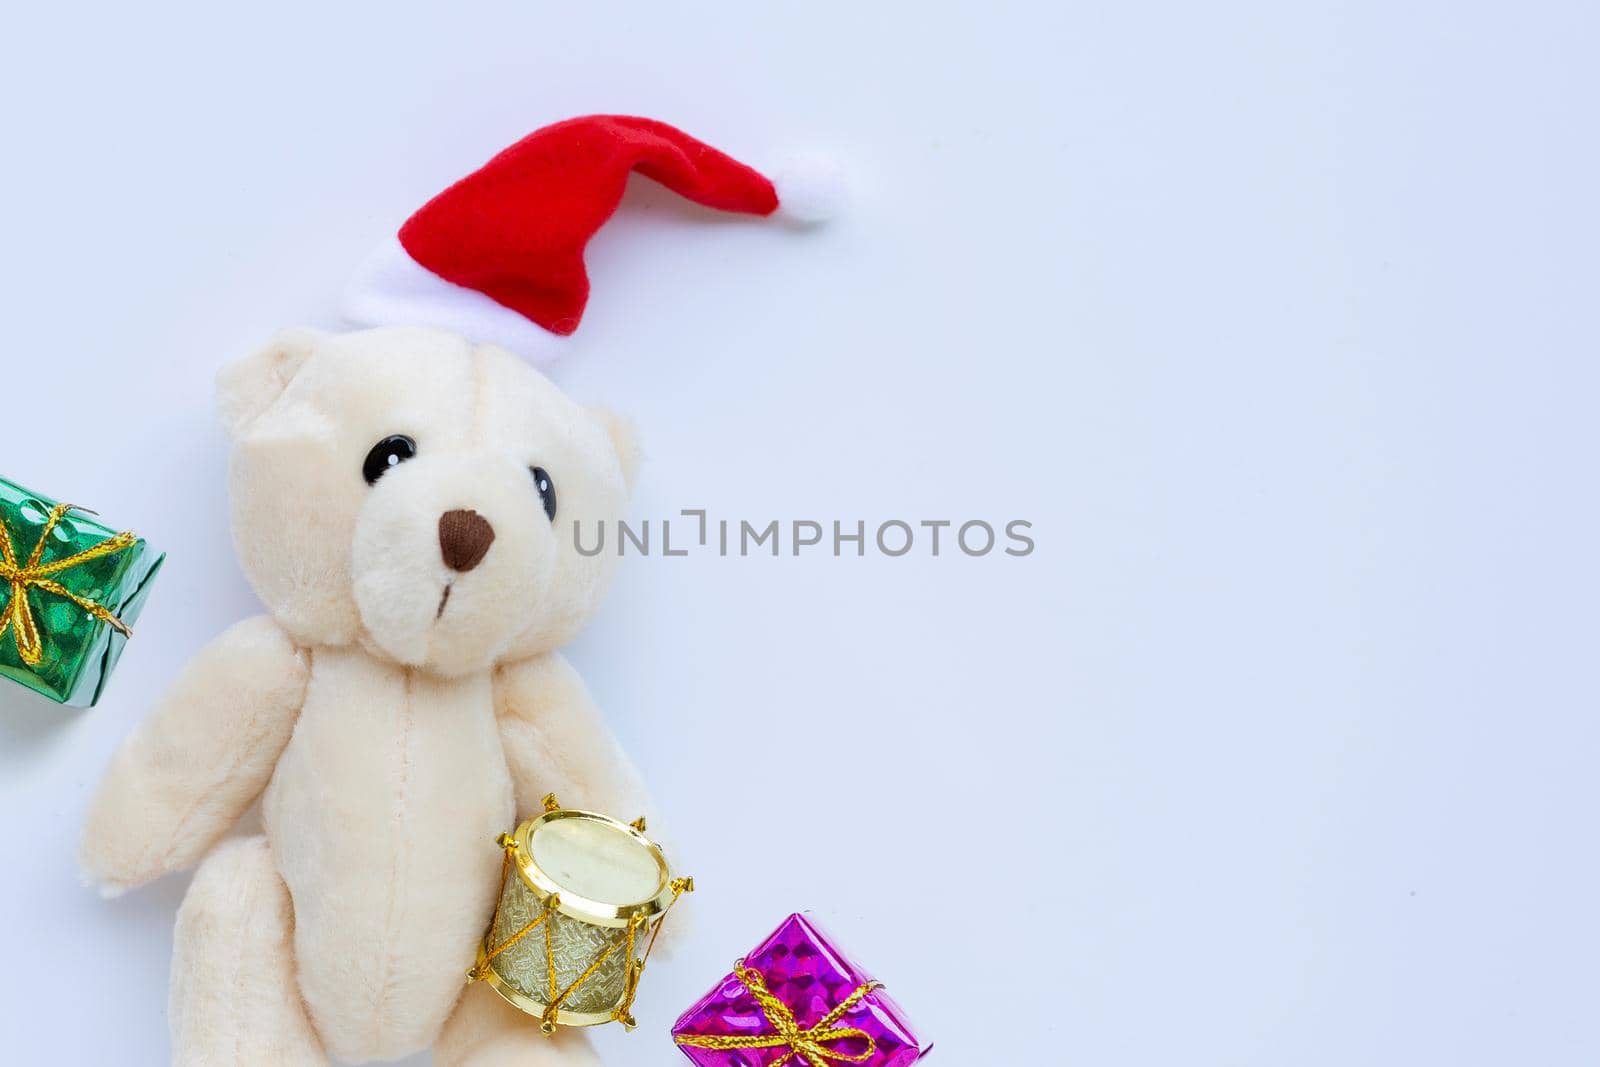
{"x":809,"y":1044}
{"x":21,"y":577}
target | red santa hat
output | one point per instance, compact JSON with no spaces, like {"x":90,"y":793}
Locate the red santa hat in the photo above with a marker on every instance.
{"x":498,"y":256}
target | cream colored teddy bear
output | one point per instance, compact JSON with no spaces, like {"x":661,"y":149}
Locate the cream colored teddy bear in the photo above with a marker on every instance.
{"x":403,"y":503}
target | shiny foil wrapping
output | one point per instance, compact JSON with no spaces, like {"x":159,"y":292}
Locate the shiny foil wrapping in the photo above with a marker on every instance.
{"x":832,"y":1012}
{"x":77,"y":651}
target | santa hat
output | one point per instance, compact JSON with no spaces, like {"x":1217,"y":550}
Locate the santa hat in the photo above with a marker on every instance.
{"x":498,"y":256}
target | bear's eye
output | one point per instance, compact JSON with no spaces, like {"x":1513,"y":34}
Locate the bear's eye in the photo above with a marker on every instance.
{"x":389,"y":452}
{"x":547,"y":490}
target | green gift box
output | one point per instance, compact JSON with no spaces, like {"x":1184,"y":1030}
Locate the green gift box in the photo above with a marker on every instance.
{"x":70,"y":589}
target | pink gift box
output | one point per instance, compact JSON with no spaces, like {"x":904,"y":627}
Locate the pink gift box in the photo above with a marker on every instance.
{"x":797,"y":1001}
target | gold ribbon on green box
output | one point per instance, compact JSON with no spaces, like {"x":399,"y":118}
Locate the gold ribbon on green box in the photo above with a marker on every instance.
{"x":18,"y":614}
{"x":70,"y":590}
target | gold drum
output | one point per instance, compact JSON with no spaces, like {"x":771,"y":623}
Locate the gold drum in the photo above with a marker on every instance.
{"x":582,"y":898}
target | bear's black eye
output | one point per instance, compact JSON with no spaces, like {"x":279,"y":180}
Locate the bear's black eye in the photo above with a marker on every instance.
{"x":389,"y":452}
{"x":547,"y":490}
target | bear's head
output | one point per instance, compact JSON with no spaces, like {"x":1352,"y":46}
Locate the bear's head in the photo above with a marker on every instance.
{"x":415,"y":493}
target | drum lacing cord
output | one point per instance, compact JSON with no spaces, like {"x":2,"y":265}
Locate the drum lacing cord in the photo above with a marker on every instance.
{"x":547,"y":1023}
{"x":490,"y":950}
{"x":624,"y":1012}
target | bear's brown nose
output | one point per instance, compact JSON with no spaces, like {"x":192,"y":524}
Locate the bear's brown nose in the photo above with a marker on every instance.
{"x":464,"y":538}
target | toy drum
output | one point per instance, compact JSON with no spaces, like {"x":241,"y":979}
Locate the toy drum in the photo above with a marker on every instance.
{"x":580,"y":895}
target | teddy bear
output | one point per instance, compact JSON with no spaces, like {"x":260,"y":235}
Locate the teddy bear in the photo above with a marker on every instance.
{"x":405,"y":502}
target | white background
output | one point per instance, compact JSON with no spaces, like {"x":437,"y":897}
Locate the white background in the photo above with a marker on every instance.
{"x":1276,"y":320}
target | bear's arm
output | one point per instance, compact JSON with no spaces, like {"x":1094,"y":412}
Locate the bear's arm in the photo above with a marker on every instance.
{"x":192,"y":767}
{"x":556,"y":741}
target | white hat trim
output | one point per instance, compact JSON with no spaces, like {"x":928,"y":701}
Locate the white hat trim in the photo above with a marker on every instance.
{"x":392,"y":289}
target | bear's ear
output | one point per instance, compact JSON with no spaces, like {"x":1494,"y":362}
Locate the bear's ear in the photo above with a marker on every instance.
{"x":247,"y":387}
{"x":625,"y":439}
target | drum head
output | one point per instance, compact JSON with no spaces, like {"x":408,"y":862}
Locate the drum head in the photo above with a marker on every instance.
{"x":597,"y":859}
